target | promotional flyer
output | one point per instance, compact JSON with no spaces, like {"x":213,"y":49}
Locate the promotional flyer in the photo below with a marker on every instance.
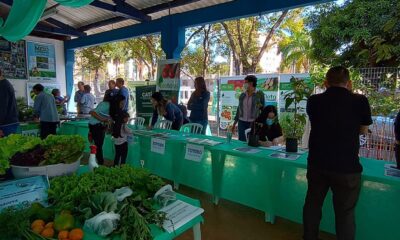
{"x":144,"y":108}
{"x":41,"y":61}
{"x":168,"y":78}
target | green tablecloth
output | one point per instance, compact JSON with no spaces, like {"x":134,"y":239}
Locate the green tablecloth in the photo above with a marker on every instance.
{"x":275,"y":186}
{"x":157,"y":233}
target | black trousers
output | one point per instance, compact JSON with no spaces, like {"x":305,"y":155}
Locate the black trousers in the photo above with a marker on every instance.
{"x":345,"y":192}
{"x":48,"y":128}
{"x":98,"y":133}
{"x":121,"y":152}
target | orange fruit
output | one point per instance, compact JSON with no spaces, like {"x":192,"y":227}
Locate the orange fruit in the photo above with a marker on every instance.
{"x":49,"y":225}
{"x":47,"y":233}
{"x":37,"y":229}
{"x":63,"y":235}
{"x":76,"y":234}
{"x":38,"y":222}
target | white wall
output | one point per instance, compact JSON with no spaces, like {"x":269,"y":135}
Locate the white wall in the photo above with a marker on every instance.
{"x":20,"y":85}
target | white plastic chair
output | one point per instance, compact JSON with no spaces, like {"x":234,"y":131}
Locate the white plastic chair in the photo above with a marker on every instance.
{"x":246,"y":133}
{"x":163,"y":124}
{"x":193,"y":128}
{"x":139,"y":121}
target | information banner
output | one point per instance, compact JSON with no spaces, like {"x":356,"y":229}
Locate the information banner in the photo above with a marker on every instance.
{"x":144,"y":108}
{"x":194,"y":152}
{"x":41,"y":61}
{"x":285,"y":88}
{"x":26,"y":190}
{"x":232,"y":88}
{"x":168,"y":78}
{"x":13,"y":59}
{"x":48,"y":87}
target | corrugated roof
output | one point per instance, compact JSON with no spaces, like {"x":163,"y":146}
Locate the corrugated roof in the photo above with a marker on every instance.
{"x":78,"y":17}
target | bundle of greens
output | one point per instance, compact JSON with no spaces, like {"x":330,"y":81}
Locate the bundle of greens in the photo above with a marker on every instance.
{"x":90,"y":193}
{"x":23,"y":150}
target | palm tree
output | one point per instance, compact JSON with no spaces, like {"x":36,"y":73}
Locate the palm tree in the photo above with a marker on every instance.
{"x":296,"y":51}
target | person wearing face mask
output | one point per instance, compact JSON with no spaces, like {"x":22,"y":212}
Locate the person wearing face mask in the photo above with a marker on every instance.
{"x":166,"y":109}
{"x":251,"y":102}
{"x":269,"y":129}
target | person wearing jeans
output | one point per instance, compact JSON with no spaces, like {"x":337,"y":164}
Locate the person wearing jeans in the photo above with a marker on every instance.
{"x":251,"y":102}
{"x":337,"y":118}
{"x":46,"y":109}
{"x":198,"y":103}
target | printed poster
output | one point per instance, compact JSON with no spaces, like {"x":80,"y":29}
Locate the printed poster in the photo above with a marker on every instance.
{"x":48,"y":87}
{"x":41,"y":61}
{"x":232,"y":88}
{"x":13,"y":59}
{"x":168,"y":79}
{"x":144,"y":108}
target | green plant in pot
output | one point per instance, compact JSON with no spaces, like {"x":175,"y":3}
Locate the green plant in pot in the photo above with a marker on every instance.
{"x":294,"y":120}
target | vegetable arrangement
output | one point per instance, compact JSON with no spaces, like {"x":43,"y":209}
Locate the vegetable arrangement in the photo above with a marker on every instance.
{"x":23,"y":150}
{"x":75,"y":199}
{"x":91,"y":193}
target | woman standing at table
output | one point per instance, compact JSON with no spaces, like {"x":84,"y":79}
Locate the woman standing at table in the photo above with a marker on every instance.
{"x":198,"y":103}
{"x":270,"y":131}
{"x":166,"y":109}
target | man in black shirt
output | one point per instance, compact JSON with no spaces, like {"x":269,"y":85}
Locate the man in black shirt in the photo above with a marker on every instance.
{"x":337,"y":118}
{"x":8,"y":108}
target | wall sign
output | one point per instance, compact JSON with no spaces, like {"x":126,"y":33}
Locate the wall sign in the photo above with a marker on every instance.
{"x":41,"y":61}
{"x":194,"y":152}
{"x":158,"y":145}
{"x":13,"y":59}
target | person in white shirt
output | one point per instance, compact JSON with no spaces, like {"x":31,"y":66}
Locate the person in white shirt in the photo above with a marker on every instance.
{"x":121,"y":140}
{"x":87,"y":101}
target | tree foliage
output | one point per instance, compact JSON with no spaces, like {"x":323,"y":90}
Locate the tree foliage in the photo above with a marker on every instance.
{"x":360,"y":33}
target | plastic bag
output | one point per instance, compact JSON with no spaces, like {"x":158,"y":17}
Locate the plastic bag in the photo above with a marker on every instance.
{"x":122,"y":193}
{"x":165,"y":195}
{"x":103,"y":223}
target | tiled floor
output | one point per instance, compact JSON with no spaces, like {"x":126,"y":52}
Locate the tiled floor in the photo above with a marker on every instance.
{"x":232,"y":221}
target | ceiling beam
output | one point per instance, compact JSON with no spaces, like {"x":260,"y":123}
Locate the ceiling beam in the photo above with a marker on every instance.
{"x":167,"y":5}
{"x":66,"y":27}
{"x":40,"y":27}
{"x":101,"y":23}
{"x":121,"y":8}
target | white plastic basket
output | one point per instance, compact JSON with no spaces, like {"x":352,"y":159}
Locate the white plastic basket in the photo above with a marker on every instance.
{"x":49,"y":170}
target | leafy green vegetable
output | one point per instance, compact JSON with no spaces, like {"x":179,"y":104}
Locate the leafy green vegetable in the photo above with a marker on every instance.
{"x":62,"y":149}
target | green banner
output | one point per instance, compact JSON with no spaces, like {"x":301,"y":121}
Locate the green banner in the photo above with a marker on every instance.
{"x":144,"y":108}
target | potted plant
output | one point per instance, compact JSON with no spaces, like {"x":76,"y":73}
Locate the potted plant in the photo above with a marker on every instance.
{"x":294,"y":121}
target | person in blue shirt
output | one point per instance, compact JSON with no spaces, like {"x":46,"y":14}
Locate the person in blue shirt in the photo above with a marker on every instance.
{"x":165,"y":109}
{"x":88,"y":101}
{"x":46,"y":109}
{"x":124,"y":92}
{"x":198,"y":103}
{"x":8,"y":108}
{"x":60,"y":101}
{"x":78,"y":96}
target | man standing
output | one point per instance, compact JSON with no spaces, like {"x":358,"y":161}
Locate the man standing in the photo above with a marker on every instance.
{"x":251,"y":102}
{"x":397,"y":135}
{"x":46,"y":109}
{"x":124,"y":92}
{"x":8,"y":108}
{"x":78,"y":96}
{"x":111,"y":91}
{"x":337,"y":118}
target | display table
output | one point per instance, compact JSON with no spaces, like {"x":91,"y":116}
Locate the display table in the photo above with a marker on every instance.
{"x":275,"y":186}
{"x":156,"y":232}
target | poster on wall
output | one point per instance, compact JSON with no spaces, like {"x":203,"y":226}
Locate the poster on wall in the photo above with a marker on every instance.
{"x":41,"y":61}
{"x":48,"y":87}
{"x":232,"y":88}
{"x":13,"y":59}
{"x":168,"y":78}
{"x":285,"y":88}
{"x":144,"y":108}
